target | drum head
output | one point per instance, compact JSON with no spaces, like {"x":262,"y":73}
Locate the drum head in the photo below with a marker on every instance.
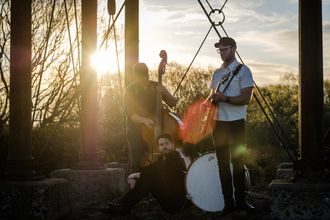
{"x":203,"y":183}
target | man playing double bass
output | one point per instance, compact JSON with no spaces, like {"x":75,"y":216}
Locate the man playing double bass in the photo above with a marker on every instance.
{"x":140,"y":108}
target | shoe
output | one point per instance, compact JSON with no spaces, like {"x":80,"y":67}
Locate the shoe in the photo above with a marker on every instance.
{"x":227,"y":210}
{"x":116,"y":208}
{"x":244,"y":206}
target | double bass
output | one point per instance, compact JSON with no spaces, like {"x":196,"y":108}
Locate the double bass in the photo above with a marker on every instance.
{"x":165,"y":121}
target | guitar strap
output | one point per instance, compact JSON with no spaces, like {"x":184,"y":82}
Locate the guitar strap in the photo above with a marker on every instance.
{"x":234,"y":74}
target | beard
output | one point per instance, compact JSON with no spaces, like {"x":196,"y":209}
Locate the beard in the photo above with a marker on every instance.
{"x":165,"y":151}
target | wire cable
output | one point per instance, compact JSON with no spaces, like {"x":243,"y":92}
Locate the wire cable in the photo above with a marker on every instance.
{"x":184,"y":75}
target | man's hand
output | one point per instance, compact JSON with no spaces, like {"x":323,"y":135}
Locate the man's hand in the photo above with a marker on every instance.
{"x":131,"y":183}
{"x":148,"y":122}
{"x":131,"y":179}
{"x":143,"y":120}
{"x":217,"y":97}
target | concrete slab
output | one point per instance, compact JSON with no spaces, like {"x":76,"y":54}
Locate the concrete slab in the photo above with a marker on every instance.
{"x":303,"y":199}
{"x":45,"y":199}
{"x":88,"y":188}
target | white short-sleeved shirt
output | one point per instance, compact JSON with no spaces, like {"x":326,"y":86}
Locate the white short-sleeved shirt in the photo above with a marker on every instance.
{"x":243,"y":79}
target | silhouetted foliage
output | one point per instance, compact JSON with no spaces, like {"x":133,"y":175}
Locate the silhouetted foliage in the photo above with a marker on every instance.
{"x":112,"y":122}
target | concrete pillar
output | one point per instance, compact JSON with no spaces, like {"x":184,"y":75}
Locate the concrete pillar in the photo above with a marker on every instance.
{"x":19,"y":164}
{"x":131,"y":37}
{"x":88,"y":158}
{"x":311,"y":84}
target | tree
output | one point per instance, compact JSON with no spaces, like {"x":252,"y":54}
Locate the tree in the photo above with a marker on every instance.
{"x":55,"y":67}
{"x":4,"y":63}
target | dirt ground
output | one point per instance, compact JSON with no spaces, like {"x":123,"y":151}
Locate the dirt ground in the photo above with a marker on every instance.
{"x":149,"y":209}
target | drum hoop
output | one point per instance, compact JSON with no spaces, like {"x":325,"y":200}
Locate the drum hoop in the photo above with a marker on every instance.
{"x":202,"y":155}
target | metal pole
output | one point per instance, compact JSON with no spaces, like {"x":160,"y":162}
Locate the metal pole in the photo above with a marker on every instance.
{"x":311,"y":85}
{"x":19,"y":164}
{"x":88,"y":158}
{"x":131,"y":37}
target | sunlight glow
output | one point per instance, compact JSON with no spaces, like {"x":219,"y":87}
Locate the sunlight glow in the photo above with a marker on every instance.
{"x":104,"y":61}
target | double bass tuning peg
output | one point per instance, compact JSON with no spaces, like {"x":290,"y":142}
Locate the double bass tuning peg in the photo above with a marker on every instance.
{"x":163,"y":54}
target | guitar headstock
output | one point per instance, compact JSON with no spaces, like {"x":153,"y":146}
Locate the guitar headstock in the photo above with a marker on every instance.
{"x":163,"y":63}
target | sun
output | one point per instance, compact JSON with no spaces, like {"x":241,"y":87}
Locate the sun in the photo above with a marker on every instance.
{"x":104,"y":62}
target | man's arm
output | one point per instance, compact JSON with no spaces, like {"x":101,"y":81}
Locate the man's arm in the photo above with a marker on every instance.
{"x":141,"y":119}
{"x":130,"y":110}
{"x":167,"y":96}
{"x":243,"y":99}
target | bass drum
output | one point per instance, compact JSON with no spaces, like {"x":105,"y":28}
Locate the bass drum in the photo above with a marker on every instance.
{"x":203,"y":184}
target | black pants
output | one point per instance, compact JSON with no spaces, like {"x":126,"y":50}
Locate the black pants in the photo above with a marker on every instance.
{"x":229,"y":140}
{"x":168,"y":196}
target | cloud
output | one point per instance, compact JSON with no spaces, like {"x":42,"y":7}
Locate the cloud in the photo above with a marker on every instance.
{"x":266,"y":32}
{"x":281,"y":42}
{"x":255,"y":14}
{"x":170,"y":5}
{"x":269,"y":73}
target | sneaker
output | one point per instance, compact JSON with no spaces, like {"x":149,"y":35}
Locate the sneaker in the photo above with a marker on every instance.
{"x":115,"y":208}
{"x":244,"y":206}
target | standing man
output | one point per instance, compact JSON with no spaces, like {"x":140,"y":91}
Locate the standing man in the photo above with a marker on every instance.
{"x":140,"y":109}
{"x":163,"y":179}
{"x":231,"y":93}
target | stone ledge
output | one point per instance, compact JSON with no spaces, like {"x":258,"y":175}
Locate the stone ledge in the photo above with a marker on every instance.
{"x":285,"y":171}
{"x":299,"y":200}
{"x":45,"y":199}
{"x":92,"y":187}
{"x":288,"y":185}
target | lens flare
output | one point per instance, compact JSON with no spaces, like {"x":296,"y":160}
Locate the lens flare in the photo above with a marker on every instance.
{"x":240,"y":150}
{"x":198,"y":122}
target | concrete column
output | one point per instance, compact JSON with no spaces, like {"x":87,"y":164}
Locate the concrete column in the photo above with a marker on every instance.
{"x":131,"y":37}
{"x":311,"y":84}
{"x":88,"y":158}
{"x":19,"y":161}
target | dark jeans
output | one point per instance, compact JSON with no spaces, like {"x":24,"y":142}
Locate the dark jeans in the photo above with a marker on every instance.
{"x":168,"y":196}
{"x":229,"y":140}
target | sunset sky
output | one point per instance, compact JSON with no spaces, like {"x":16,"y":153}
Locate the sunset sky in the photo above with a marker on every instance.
{"x":266,"y":32}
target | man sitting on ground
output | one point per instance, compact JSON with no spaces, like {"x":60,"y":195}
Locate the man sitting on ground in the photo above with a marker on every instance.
{"x":163,"y":179}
